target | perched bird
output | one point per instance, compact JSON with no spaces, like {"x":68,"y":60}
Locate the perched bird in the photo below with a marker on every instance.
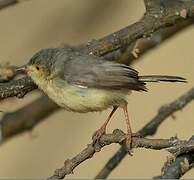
{"x":86,"y":83}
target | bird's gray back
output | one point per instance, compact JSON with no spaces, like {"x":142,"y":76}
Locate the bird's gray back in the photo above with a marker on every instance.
{"x":91,"y":71}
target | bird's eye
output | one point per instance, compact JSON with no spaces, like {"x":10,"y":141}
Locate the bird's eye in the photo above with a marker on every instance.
{"x":37,"y":68}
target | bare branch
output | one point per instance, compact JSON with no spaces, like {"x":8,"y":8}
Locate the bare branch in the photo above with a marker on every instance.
{"x":117,"y":137}
{"x":179,"y":167}
{"x":152,"y":5}
{"x":144,"y":45}
{"x":175,"y":168}
{"x":178,"y":150}
{"x":159,"y":14}
{"x":166,"y":111}
{"x":7,"y":3}
{"x":171,"y":13}
{"x":149,"y":129}
{"x":16,"y":88}
{"x":17,"y":122}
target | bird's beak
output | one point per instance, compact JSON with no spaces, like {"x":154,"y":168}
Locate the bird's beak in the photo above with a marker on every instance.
{"x":21,"y":69}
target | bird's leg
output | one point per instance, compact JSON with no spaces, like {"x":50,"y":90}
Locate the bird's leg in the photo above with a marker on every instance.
{"x":129,"y":131}
{"x":102,"y":129}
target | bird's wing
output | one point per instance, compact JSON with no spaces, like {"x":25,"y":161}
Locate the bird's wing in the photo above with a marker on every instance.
{"x":90,"y":71}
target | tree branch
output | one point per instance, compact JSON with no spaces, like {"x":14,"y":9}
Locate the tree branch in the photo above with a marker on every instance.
{"x":171,"y":13}
{"x":6,"y":3}
{"x":144,"y":45}
{"x":117,"y":137}
{"x":16,"y":88}
{"x":175,"y":168}
{"x":178,"y":149}
{"x":17,"y":122}
{"x":149,"y":129}
{"x":152,"y":5}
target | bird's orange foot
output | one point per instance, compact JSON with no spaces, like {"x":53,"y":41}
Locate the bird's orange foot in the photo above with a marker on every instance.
{"x":129,"y":137}
{"x":97,"y":135}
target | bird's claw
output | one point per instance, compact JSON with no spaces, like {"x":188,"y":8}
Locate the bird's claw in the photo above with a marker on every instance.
{"x":129,"y":141}
{"x":97,"y":135}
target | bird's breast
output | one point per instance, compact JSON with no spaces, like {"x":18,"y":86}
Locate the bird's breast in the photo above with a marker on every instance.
{"x":80,"y":99}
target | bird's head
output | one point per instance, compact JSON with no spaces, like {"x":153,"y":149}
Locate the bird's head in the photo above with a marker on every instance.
{"x":40,"y":66}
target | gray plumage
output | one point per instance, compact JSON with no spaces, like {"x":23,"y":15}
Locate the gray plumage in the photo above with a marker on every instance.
{"x":94,"y":72}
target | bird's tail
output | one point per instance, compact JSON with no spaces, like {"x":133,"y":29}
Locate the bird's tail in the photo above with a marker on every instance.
{"x":158,"y":78}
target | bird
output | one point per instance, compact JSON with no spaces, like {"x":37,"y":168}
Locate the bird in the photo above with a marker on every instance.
{"x":82,"y":83}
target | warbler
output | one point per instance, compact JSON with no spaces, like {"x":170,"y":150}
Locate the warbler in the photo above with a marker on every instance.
{"x":86,"y":83}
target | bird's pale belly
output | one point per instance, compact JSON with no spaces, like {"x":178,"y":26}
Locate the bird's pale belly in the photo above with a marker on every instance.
{"x":79,"y":99}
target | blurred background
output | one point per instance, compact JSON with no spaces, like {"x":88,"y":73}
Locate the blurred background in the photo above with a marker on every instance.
{"x":35,"y":24}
